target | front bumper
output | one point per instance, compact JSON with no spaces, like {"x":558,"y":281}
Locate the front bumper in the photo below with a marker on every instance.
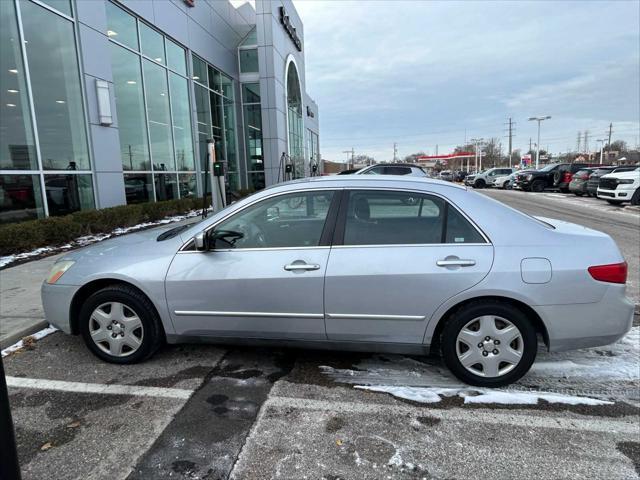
{"x":587,"y":325}
{"x":622,"y":194}
{"x":56,"y":303}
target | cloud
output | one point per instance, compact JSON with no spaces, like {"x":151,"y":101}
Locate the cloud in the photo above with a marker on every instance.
{"x":421,"y":73}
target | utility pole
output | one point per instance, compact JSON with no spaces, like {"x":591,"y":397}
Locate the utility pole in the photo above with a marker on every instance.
{"x":529,"y":143}
{"x":395,"y":152}
{"x":352,"y":154}
{"x":610,"y":132}
{"x":578,"y":142}
{"x":586,"y":141}
{"x":511,"y":135}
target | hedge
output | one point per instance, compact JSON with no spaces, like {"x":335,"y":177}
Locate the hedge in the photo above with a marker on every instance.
{"x":53,"y":231}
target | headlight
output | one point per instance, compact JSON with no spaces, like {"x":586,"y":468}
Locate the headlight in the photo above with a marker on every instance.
{"x":58,"y":270}
{"x":626,"y":180}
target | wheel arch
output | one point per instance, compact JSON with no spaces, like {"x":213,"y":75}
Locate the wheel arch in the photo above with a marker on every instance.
{"x":531,"y":314}
{"x":93,"y":286}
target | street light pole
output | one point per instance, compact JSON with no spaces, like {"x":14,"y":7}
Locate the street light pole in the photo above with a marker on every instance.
{"x":539,"y":120}
{"x":601,"y":149}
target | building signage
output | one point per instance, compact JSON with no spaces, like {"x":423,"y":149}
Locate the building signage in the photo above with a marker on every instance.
{"x":310,"y":112}
{"x":190,"y":3}
{"x":290,"y":29}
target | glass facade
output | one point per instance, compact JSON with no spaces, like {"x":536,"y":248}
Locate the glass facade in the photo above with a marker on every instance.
{"x":295,"y":126}
{"x":252,"y":112}
{"x":152,"y":105}
{"x":44,"y":151}
{"x":215,"y":113}
{"x":313,"y":148}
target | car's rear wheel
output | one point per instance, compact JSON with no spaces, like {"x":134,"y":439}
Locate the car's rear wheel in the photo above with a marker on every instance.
{"x":489,"y":344}
{"x":579,"y":194}
{"x":479,"y":184}
{"x":538,"y":186}
{"x":120,"y":325}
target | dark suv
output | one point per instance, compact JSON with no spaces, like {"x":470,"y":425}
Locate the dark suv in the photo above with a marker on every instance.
{"x":555,"y":175}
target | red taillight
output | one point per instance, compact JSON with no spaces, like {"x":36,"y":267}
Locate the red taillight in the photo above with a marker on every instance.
{"x":613,"y":273}
{"x":567,"y":177}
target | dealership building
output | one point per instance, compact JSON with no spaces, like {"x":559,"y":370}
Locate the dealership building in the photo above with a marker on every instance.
{"x":107,"y":102}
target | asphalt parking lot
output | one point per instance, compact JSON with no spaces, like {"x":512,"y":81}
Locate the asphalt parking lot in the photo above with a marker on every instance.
{"x":200,"y":411}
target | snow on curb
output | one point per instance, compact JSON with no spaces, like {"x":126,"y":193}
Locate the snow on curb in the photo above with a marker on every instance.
{"x":89,"y":239}
{"x":480,"y":395}
{"x":36,"y":336}
{"x":604,"y":372}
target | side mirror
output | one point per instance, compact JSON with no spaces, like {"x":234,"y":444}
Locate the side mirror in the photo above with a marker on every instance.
{"x":199,"y":241}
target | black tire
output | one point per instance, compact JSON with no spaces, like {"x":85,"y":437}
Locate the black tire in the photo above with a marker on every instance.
{"x":564,"y":190}
{"x":579,"y":194}
{"x":557,"y":177}
{"x":479,"y":184}
{"x":538,"y":186}
{"x":477,"y":309}
{"x":614,"y":202}
{"x":153,"y":332}
{"x":635,"y":199}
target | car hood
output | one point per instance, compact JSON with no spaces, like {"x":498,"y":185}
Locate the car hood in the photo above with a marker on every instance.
{"x":633,"y":174}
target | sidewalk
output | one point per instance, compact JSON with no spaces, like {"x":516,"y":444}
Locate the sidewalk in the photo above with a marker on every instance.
{"x":20,"y":306}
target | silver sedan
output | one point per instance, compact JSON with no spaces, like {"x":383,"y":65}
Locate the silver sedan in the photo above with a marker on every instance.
{"x":379,"y":263}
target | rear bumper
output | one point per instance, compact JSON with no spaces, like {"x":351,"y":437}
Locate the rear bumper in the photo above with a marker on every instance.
{"x":578,"y":186}
{"x":588,"y":324}
{"x":56,"y":302}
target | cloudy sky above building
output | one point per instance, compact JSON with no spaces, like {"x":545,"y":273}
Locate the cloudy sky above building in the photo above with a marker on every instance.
{"x":432,"y":73}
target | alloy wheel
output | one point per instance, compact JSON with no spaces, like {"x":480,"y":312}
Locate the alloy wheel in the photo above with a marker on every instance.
{"x":116,"y":329}
{"x":489,"y":346}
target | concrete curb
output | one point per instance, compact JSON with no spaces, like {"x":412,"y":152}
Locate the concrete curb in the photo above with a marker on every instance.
{"x":17,"y":335}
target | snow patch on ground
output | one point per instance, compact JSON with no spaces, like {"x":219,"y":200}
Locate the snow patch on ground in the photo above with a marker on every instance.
{"x":36,"y":336}
{"x":581,"y":377}
{"x":89,"y":239}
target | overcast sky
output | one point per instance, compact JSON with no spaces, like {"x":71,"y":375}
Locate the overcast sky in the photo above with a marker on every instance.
{"x":421,"y":73}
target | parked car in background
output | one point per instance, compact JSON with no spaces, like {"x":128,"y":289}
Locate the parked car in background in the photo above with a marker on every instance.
{"x":459,"y":176}
{"x":578,"y":184}
{"x":594,"y":178}
{"x":506,"y":181}
{"x":487,"y":177}
{"x":619,"y":187}
{"x":446,"y":175}
{"x":294,"y":264}
{"x":554,"y":175}
{"x":393,"y":169}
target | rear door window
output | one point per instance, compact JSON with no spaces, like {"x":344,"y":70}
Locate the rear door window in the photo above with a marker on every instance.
{"x":376,"y":217}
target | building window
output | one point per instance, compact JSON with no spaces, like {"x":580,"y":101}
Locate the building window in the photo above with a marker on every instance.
{"x":50,"y":150}
{"x":55,"y":86}
{"x":253,"y":134}
{"x":313,"y":149}
{"x":153,"y":109}
{"x":215,"y":113}
{"x":249,"y":60}
{"x":294,"y":121}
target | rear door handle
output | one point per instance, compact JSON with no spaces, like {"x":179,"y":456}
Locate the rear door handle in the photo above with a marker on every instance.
{"x":301,"y":266}
{"x":456,"y":263}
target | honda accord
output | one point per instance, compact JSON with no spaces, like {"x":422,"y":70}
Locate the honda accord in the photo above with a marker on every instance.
{"x":361,"y":262}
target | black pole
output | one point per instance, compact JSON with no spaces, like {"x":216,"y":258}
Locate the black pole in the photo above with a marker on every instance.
{"x":9,"y":466}
{"x":206,"y":178}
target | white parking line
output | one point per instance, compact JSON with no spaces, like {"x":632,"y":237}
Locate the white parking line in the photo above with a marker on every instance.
{"x":537,"y":420}
{"x":81,"y":387}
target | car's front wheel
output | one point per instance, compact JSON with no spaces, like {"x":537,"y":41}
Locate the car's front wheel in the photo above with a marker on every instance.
{"x":479,"y":184}
{"x":489,"y":344}
{"x":120,"y":325}
{"x":635,"y":200}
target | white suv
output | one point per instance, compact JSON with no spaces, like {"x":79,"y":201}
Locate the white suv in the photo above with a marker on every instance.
{"x":620,"y":187}
{"x":487,"y":177}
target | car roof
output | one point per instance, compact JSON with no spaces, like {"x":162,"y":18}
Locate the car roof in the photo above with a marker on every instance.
{"x":355,"y":180}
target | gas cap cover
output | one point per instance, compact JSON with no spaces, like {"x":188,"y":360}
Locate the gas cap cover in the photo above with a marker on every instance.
{"x":535,"y":270}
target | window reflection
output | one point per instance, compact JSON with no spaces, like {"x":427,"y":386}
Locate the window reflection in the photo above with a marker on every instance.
{"x":138,"y":188}
{"x":121,"y":26}
{"x":157,"y":96}
{"x":166,"y":186}
{"x":68,"y":193}
{"x":20,"y":198}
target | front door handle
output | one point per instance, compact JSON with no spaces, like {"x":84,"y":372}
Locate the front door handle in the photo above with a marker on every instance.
{"x":455,"y":263}
{"x":292,"y":267}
